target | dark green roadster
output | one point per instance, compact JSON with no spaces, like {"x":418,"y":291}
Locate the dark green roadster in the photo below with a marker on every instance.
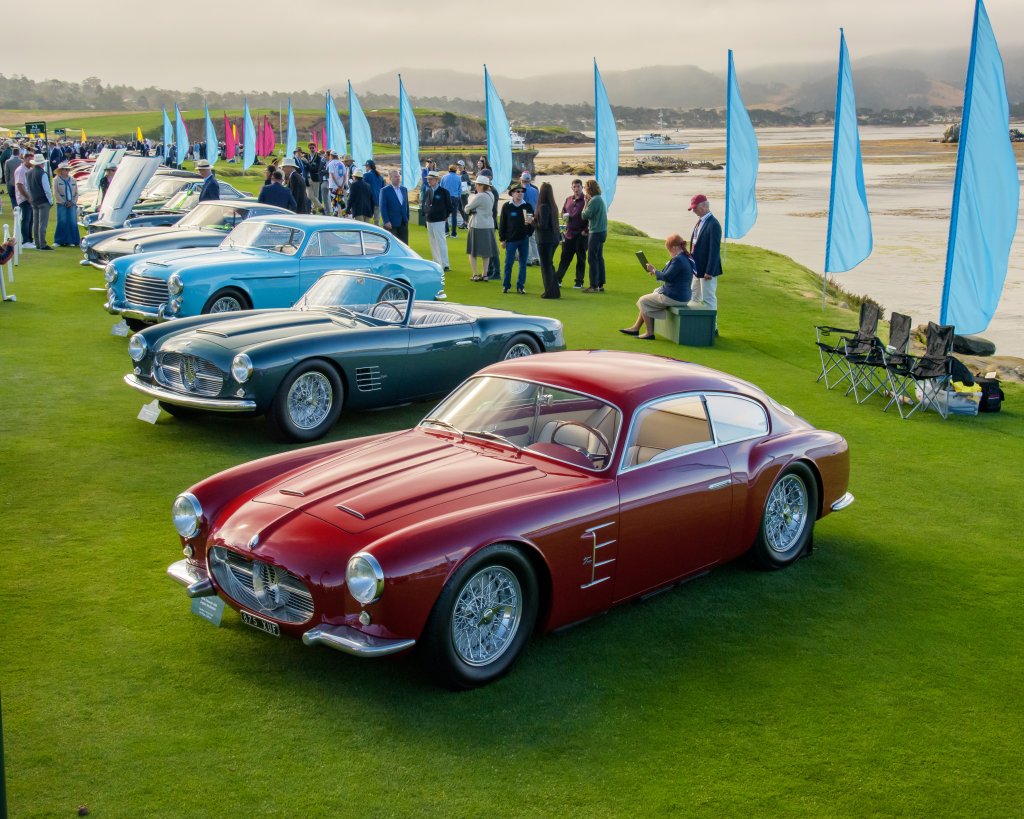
{"x":354,"y":340}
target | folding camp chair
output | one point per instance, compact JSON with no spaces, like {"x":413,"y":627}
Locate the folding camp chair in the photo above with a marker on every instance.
{"x":920,"y":383}
{"x":850,"y":342}
{"x":870,"y":370}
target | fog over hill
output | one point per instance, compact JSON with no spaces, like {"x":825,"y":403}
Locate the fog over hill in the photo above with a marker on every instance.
{"x":888,"y":81}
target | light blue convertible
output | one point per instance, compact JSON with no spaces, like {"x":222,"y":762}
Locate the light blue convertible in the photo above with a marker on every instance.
{"x":267,"y":261}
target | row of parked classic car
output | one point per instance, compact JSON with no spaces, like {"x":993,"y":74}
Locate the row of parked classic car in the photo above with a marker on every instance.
{"x":547,"y":487}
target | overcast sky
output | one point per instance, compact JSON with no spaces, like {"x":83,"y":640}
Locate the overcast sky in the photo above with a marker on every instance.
{"x":308,"y":45}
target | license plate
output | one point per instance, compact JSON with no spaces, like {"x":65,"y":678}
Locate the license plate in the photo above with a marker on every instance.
{"x":261,"y":624}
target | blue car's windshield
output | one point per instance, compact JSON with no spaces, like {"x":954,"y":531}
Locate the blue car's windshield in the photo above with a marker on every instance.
{"x":266,"y":236}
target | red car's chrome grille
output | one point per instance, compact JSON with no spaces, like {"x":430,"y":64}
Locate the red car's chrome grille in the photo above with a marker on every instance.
{"x":145,"y":290}
{"x":261,"y":587}
{"x":186,"y":373}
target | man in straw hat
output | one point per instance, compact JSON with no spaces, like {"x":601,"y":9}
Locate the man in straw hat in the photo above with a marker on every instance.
{"x":211,"y":187}
{"x":296,"y":184}
{"x":40,"y":194}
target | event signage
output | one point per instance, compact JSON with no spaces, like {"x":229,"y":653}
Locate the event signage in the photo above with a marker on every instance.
{"x":35,"y":128}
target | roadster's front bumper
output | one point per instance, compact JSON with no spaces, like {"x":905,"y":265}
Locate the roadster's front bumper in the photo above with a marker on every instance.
{"x":190,"y":401}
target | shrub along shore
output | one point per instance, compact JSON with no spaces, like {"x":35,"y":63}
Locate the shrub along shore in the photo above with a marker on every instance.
{"x":880,"y":676}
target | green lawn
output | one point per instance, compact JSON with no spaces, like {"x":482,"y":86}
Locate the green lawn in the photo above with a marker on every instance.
{"x":882,"y":676}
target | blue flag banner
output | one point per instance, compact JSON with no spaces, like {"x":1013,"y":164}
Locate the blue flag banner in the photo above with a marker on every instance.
{"x":741,"y":162}
{"x":212,"y":148}
{"x":362,"y":141}
{"x":248,"y":139}
{"x":499,"y":136}
{"x":167,"y":137}
{"x":849,"y":239}
{"x":409,"y":139}
{"x":336,"y":137}
{"x":180,"y":136}
{"x":606,"y":139}
{"x":291,"y":140}
{"x":986,"y":191}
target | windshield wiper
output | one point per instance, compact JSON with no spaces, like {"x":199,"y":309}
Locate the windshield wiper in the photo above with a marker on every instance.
{"x":492,"y":436}
{"x":445,"y":425}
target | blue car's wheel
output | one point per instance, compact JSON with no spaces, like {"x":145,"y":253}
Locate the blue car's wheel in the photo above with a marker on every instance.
{"x":228,"y":300}
{"x":307,"y":403}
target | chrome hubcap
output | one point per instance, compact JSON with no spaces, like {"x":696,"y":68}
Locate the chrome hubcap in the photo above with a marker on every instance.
{"x":310,"y":400}
{"x":486,"y":616}
{"x":785,"y":514}
{"x":518,"y":351}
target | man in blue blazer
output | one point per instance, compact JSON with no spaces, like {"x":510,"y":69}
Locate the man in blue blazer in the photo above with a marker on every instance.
{"x":211,"y":187}
{"x":706,"y":249}
{"x":394,"y":207}
{"x":277,"y":194}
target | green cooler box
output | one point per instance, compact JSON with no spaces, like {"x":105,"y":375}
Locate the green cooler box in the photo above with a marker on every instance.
{"x":692,"y":326}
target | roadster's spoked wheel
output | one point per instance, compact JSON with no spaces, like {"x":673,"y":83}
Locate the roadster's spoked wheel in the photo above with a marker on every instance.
{"x":519,"y":347}
{"x":482,"y":619}
{"x":307,"y":403}
{"x":787,"y":524}
{"x":785,"y":514}
{"x":487,"y":615}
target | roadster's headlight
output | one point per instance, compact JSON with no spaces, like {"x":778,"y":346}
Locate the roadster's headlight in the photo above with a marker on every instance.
{"x":137,"y":248}
{"x":241,"y":368}
{"x":110,"y":273}
{"x":187,"y":514}
{"x":174,"y":284}
{"x":137,"y":347}
{"x":365,"y":578}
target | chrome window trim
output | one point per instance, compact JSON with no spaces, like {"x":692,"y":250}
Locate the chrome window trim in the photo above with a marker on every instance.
{"x":616,"y":407}
{"x":362,"y":243}
{"x":313,"y":240}
{"x":712,"y":444}
{"x":758,"y":404}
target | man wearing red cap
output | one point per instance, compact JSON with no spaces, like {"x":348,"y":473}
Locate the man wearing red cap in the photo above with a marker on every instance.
{"x":706,"y":249}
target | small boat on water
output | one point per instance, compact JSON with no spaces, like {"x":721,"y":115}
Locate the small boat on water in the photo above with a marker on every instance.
{"x":518,"y":141}
{"x":658,"y":142}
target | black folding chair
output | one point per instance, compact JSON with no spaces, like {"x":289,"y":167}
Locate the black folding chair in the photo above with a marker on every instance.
{"x":833,"y":352}
{"x":870,"y":373}
{"x":920,"y":383}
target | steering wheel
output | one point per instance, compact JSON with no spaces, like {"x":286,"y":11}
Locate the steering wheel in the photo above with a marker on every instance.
{"x":599,"y":458}
{"x":393,"y":306}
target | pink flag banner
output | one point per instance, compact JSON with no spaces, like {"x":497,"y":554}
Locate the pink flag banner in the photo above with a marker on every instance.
{"x":229,"y":139}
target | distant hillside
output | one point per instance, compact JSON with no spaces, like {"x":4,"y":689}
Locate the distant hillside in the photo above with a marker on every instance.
{"x":903,"y":79}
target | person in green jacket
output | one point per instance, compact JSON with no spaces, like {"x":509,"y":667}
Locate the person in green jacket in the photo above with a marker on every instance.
{"x":595,"y":214}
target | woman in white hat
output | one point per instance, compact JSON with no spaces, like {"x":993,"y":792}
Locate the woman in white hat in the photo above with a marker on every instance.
{"x":480,"y":241}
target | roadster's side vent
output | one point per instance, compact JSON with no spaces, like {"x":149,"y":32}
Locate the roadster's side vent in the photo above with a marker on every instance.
{"x":368,"y":379}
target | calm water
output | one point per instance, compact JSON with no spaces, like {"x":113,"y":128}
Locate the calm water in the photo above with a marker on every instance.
{"x":909,"y":201}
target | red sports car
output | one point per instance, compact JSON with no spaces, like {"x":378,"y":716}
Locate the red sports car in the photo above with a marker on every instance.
{"x":542,"y":491}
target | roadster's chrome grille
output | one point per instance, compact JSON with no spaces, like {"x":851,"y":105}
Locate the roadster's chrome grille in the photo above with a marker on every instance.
{"x":261,"y":587}
{"x":145,"y":290}
{"x":367,"y":379}
{"x":186,"y":373}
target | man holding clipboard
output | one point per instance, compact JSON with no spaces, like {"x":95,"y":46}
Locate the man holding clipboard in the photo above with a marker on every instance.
{"x":675,"y":290}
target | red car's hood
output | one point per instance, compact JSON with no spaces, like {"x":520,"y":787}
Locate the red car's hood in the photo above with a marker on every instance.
{"x":403,"y":475}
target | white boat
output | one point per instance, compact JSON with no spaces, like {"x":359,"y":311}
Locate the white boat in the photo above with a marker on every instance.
{"x":518,"y":141}
{"x":658,"y":142}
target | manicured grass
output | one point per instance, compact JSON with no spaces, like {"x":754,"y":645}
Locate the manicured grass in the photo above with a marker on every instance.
{"x":881,"y":676}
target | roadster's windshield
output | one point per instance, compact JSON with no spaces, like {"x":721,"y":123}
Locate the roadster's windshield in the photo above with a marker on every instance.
{"x":556,"y":423}
{"x":165,"y":187}
{"x":371,"y":296}
{"x":266,"y":236}
{"x":209,"y":216}
{"x":182,"y":200}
